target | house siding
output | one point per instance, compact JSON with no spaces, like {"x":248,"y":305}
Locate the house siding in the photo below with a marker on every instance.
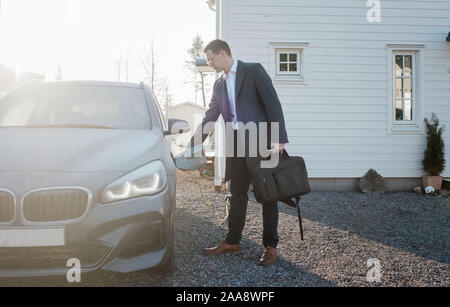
{"x":338,"y":120}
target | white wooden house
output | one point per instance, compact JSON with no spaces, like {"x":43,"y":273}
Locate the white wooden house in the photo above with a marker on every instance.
{"x":356,"y":78}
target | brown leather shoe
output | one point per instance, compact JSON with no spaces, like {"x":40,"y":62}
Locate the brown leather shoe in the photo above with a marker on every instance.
{"x":269,"y":256}
{"x":222,"y":248}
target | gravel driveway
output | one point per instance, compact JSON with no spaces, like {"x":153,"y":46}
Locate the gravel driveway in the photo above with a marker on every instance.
{"x":408,"y":233}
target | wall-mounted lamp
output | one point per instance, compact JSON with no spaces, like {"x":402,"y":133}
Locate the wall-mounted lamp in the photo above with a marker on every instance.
{"x":202,"y":65}
{"x":212,"y":5}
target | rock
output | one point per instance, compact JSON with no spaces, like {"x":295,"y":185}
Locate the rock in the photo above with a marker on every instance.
{"x":429,"y":190}
{"x":372,"y":182}
{"x":418,"y":190}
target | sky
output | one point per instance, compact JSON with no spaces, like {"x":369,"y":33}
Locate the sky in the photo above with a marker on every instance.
{"x":85,"y":37}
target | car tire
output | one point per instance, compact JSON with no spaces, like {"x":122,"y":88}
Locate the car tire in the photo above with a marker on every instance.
{"x":169,"y":265}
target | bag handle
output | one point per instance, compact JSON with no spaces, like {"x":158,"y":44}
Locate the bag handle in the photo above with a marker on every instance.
{"x":285,"y":154}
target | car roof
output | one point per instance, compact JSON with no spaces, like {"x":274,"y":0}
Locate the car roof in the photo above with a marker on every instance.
{"x":92,"y":82}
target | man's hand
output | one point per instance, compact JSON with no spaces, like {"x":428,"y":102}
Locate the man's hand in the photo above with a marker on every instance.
{"x":277,"y":147}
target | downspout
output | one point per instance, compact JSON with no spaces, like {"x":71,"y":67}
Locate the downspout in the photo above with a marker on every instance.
{"x":218,"y":11}
{"x":219,"y":136}
{"x":214,"y":5}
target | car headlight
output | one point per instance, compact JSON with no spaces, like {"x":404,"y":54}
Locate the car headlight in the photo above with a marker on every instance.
{"x":147,"y":180}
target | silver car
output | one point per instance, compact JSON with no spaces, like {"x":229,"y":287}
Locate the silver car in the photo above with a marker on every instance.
{"x":86,"y":173}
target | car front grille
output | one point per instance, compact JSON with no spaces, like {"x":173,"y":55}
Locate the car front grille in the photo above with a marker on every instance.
{"x":90,"y":254}
{"x":6,"y":206}
{"x":55,"y":205}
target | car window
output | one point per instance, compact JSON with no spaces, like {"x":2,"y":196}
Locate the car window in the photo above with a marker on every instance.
{"x":72,"y":105}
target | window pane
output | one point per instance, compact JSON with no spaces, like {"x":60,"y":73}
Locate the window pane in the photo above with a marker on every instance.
{"x":408,"y":110}
{"x":293,"y":67}
{"x":408,"y":65}
{"x":283,"y":57}
{"x":293,"y":57}
{"x":407,"y":82}
{"x":398,"y":88}
{"x":283,"y":67}
{"x":398,"y":110}
{"x":398,"y":65}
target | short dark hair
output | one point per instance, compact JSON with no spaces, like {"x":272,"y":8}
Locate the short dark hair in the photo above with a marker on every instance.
{"x":217,"y":45}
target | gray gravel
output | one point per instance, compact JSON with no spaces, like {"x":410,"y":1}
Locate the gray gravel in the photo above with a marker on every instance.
{"x":408,"y":233}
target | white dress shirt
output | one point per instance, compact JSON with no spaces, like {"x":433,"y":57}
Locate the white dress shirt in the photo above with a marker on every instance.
{"x":230,"y":79}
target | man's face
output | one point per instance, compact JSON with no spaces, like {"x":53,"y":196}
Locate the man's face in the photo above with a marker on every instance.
{"x":216,"y":60}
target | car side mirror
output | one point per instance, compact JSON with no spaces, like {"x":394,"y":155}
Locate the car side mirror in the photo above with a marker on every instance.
{"x":177,"y":126}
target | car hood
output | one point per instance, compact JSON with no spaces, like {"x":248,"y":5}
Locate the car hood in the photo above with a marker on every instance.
{"x":76,"y":150}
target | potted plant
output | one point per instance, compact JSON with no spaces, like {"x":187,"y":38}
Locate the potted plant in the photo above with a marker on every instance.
{"x":434,"y":155}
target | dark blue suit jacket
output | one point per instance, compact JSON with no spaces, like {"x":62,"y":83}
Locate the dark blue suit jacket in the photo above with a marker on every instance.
{"x":256,"y":101}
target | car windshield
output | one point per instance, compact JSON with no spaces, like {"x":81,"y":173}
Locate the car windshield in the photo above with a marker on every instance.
{"x":75,"y":106}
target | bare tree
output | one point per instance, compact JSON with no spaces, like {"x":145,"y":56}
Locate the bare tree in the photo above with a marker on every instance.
{"x":196,"y":51}
{"x":59,"y":75}
{"x":167,"y":100}
{"x":121,"y":64}
{"x":151,"y":75}
{"x":117,"y":67}
{"x":148,"y":63}
{"x":140,"y":64}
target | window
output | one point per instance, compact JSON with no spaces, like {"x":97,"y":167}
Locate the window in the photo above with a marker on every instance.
{"x":162,"y":118}
{"x":405,"y":110}
{"x":288,"y":61}
{"x":404,"y":84}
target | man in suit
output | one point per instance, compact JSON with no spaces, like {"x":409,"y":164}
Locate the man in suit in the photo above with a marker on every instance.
{"x":243,"y":94}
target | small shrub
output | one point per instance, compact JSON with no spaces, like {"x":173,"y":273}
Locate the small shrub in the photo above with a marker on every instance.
{"x":434,"y":155}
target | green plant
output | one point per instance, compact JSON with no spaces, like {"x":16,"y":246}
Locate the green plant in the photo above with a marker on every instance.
{"x":434,"y":155}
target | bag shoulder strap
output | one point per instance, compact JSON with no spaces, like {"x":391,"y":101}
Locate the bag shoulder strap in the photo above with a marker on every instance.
{"x":290,"y":202}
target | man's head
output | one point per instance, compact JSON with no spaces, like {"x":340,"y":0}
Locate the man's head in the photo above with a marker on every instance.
{"x":218,"y":55}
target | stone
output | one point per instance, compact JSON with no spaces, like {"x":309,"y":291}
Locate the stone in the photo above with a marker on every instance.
{"x":429,"y":190}
{"x":372,"y":182}
{"x":418,"y":190}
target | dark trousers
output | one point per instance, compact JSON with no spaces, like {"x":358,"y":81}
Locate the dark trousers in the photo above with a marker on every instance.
{"x":240,"y":182}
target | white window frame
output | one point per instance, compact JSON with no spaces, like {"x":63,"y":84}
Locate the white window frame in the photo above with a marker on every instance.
{"x":406,"y":126}
{"x":301,"y":49}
